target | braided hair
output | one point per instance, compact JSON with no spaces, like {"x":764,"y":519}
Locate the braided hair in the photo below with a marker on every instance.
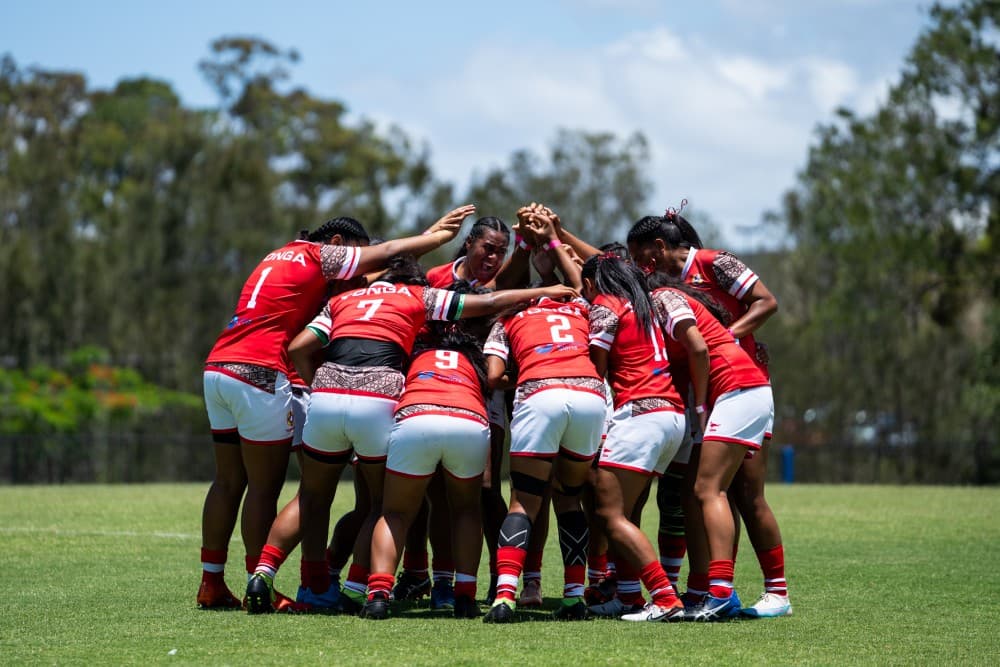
{"x":479,"y":228}
{"x":619,"y":250}
{"x":403,"y":269}
{"x":612,"y":275}
{"x":352,"y":231}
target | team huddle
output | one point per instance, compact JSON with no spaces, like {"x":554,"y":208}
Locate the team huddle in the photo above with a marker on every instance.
{"x":618,"y":365}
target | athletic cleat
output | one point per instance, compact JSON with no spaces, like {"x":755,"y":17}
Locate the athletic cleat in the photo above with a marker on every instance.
{"x":260,"y":594}
{"x":717,"y":609}
{"x":376,"y":607}
{"x":769,"y":605}
{"x":286,"y":605}
{"x":350,"y":602}
{"x":466,"y":607}
{"x":410,"y":586}
{"x":531,"y":594}
{"x":217,"y":596}
{"x":654,"y":613}
{"x":442,"y":595}
{"x":692,"y":605}
{"x":613,"y":608}
{"x":572,"y":611}
{"x":326,"y":601}
{"x":593,"y":596}
{"x":502,"y":611}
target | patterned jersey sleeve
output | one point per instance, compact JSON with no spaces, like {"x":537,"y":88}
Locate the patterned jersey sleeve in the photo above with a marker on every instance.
{"x":322,"y":325}
{"x":733,"y":275}
{"x":443,"y":305}
{"x":339,"y":262}
{"x":671,"y":308}
{"x":603,"y":326}
{"x":497,"y":343}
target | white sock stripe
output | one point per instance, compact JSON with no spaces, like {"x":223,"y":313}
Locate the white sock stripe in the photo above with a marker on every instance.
{"x":721,"y":582}
{"x":356,"y":586}
{"x":573,"y":590}
{"x":508,"y":580}
{"x":214,"y":568}
{"x":464,"y":578}
{"x":264,"y":569}
{"x":695,"y":591}
{"x":774,"y":581}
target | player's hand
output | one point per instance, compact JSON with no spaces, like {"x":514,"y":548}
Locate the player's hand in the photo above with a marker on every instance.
{"x":762,"y":354}
{"x":449,"y":224}
{"x":541,"y":225}
{"x":560,"y":292}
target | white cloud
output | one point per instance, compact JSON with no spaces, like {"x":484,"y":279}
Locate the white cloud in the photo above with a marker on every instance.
{"x":727,"y":129}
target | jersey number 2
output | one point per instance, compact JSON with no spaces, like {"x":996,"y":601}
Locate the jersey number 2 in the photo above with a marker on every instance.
{"x":561,"y":325}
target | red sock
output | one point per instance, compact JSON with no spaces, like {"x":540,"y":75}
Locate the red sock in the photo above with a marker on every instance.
{"x":629,"y":589}
{"x":251,"y":562}
{"x":357,"y":578}
{"x":697,"y":583}
{"x":213,"y":564}
{"x":315,"y":575}
{"x":573,"y":578}
{"x":465,"y":584}
{"x":510,"y":563}
{"x":720,"y":578}
{"x":444,"y":568}
{"x":656,"y":582}
{"x":772,"y":564}
{"x":533,"y":565}
{"x":415,"y":561}
{"x":271,"y":559}
{"x":672,"y":550}
{"x":597,"y":568}
{"x":380,"y":583}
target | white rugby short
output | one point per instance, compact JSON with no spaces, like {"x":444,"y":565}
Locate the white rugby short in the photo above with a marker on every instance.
{"x":558,"y":420}
{"x":259,"y":417}
{"x":337,"y":423}
{"x":741,"y":417}
{"x":645,"y":443}
{"x":418,"y":443}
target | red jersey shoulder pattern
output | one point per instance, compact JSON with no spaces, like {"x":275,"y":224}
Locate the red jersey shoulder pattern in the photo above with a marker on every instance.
{"x":445,"y":274}
{"x":548,"y":340}
{"x":730,"y":367}
{"x":446,"y":378}
{"x":282,"y":293}
{"x":637,"y":360}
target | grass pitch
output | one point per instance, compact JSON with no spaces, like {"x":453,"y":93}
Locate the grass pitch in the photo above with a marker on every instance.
{"x":878,"y":575}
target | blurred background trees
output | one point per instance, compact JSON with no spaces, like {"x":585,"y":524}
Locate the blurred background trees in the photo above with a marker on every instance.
{"x":128,"y":222}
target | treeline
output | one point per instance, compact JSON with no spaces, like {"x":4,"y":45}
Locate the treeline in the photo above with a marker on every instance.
{"x":129,"y":221}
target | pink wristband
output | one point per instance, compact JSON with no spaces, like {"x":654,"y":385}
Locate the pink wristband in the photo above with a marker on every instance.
{"x":521,"y":243}
{"x":700,"y":409}
{"x":554,"y":243}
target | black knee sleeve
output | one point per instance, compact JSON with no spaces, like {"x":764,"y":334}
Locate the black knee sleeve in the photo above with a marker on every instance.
{"x":574,"y":536}
{"x":515,"y":531}
{"x":527,"y":484}
{"x":668,"y":501}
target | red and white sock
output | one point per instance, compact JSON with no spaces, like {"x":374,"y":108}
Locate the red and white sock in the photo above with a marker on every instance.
{"x":629,"y":588}
{"x":444,"y":569}
{"x":720,"y":578}
{"x":510,"y":563}
{"x":672,"y":550}
{"x":213,"y":565}
{"x":415,"y":562}
{"x":357,"y":580}
{"x":465,"y":584}
{"x":380,"y":583}
{"x":271,"y":559}
{"x":533,"y":566}
{"x":772,"y":564}
{"x":597,"y":568}
{"x":656,"y":582}
{"x":697,"y":584}
{"x":573,"y":579}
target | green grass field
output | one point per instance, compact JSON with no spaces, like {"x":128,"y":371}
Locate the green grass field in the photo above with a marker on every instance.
{"x":878,"y":575}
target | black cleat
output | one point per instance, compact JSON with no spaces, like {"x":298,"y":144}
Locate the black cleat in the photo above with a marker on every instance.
{"x":501,"y":612}
{"x":466,"y":607}
{"x":348,"y":605}
{"x":260,"y":594}
{"x":410,"y":586}
{"x":572,"y":612}
{"x":376,"y":608}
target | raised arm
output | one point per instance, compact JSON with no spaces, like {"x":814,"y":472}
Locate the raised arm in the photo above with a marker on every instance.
{"x":476,"y":305}
{"x":543,"y":225}
{"x":374,"y":257}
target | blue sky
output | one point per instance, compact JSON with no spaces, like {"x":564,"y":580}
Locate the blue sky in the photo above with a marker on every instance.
{"x":727,"y":91}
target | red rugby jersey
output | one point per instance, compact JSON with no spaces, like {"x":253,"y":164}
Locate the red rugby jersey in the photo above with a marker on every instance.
{"x":730,"y":367}
{"x":443,"y":377}
{"x":727,"y":280}
{"x":548,"y":340}
{"x":278,"y":299}
{"x":445,"y":274}
{"x":386,"y":311}
{"x":637,"y":360}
